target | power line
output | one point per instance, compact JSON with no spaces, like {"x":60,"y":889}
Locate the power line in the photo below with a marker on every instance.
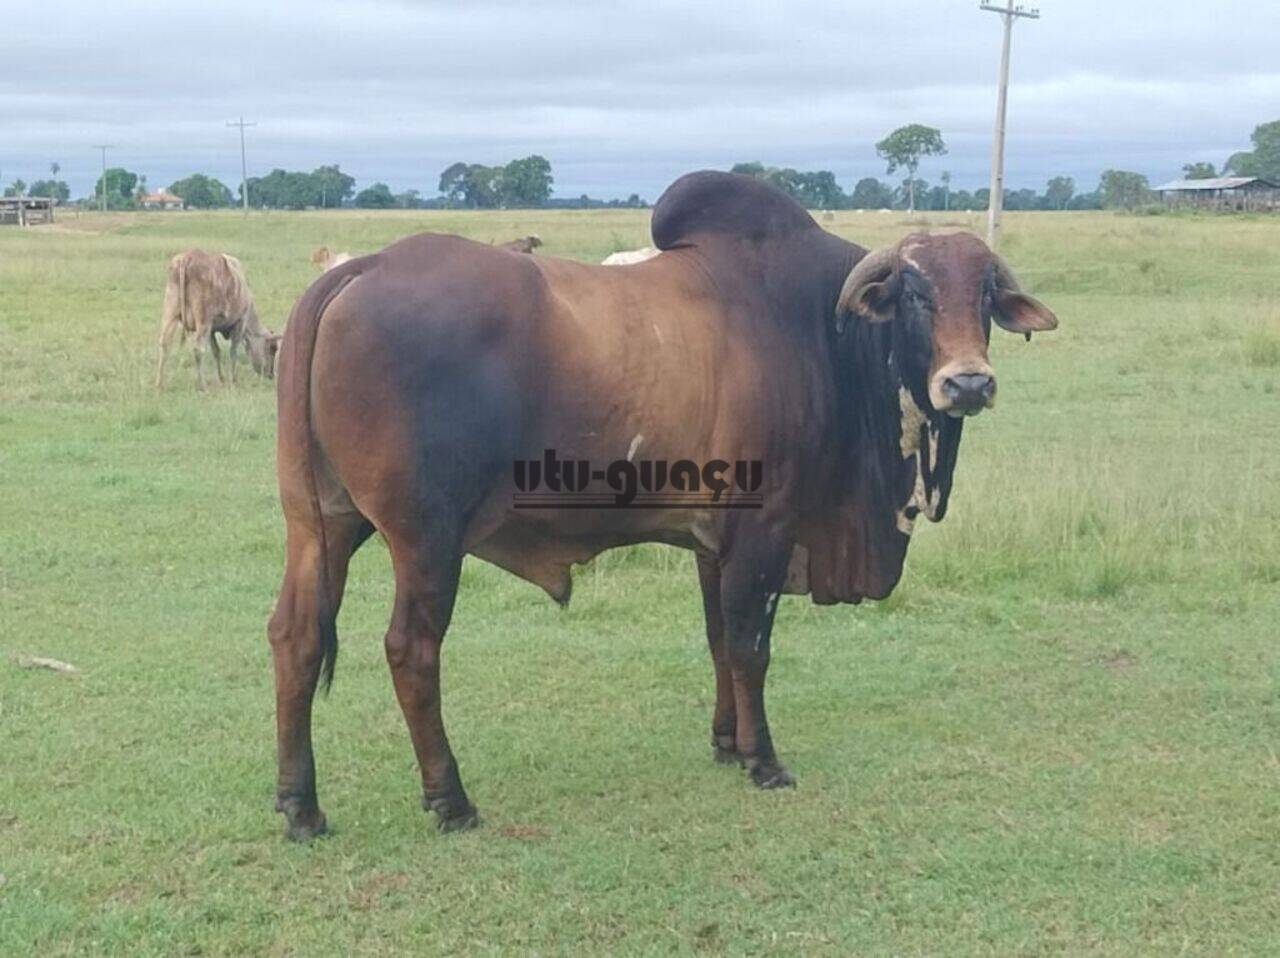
{"x":995,"y":205}
{"x":104,"y":147}
{"x":244,"y":167}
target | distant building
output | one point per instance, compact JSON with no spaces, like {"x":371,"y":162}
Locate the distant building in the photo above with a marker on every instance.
{"x":161,"y":199}
{"x":26,"y":210}
{"x":1242,"y":193}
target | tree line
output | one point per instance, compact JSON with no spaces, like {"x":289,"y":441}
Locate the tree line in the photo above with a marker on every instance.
{"x":528,"y":181}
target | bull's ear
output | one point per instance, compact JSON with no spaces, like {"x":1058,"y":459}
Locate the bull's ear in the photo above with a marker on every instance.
{"x":1014,"y":309}
{"x":871,"y":289}
{"x":1019,"y":313}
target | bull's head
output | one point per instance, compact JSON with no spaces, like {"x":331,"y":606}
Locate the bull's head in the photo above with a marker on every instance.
{"x":943,"y":291}
{"x":263,"y":348}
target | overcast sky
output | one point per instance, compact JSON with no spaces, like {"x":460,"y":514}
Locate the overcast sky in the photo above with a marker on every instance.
{"x":622,"y":97}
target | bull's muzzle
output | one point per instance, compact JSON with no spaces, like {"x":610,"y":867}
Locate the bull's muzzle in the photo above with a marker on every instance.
{"x":966,"y":394}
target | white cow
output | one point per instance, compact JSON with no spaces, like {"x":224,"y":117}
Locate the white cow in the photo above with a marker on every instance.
{"x":629,"y":256}
{"x":327,"y":260}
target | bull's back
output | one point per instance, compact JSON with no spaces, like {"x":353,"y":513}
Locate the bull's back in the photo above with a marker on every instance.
{"x":209,"y":288}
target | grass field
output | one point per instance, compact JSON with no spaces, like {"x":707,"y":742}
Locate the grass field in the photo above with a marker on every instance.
{"x":1059,"y":736}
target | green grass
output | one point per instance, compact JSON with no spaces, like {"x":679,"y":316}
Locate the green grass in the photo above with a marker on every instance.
{"x":1059,"y":736}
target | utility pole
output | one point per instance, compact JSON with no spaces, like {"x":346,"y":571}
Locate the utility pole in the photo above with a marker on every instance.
{"x":995,"y":207}
{"x":244,"y":167}
{"x":104,"y":147}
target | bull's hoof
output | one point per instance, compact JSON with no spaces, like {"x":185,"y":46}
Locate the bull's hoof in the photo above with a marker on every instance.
{"x":724,"y":749}
{"x":453,"y":812}
{"x":725,"y":756}
{"x":771,"y":775}
{"x":305,"y":831}
{"x":459,"y":823}
{"x":302,"y":822}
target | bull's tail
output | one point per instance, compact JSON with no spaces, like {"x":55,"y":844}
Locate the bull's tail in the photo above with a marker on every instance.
{"x":296,"y":441}
{"x":182,"y":293}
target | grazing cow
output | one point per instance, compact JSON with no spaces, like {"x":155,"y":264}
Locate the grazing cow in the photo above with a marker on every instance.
{"x":525,"y":244}
{"x":206,"y":293}
{"x":327,"y":260}
{"x":627,"y":257}
{"x":420,"y":388}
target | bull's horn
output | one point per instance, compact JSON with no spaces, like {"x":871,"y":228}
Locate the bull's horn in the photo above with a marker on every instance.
{"x":876,"y":267}
{"x":1004,"y":275}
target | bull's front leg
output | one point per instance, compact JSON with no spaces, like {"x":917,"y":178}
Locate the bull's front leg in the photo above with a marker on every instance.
{"x":234,"y":355}
{"x":751,"y":581}
{"x":217,"y":358}
{"x":724,"y":720}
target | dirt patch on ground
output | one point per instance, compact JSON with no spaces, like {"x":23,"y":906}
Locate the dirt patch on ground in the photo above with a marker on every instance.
{"x":524,"y":833}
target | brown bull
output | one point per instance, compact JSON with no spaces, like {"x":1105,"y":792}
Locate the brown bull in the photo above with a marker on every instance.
{"x":206,"y":293}
{"x":426,"y":390}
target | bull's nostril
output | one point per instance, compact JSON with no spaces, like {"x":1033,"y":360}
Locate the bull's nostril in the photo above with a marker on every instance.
{"x":969,"y":389}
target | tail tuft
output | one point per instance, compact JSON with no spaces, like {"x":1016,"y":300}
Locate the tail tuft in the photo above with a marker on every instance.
{"x":296,"y":438}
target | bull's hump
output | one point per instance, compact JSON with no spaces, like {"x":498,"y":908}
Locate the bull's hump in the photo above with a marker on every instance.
{"x":711,"y":203}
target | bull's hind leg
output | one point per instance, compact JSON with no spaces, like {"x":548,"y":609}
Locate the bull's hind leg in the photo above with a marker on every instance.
{"x":295,"y":631}
{"x":724,"y":720}
{"x":427,"y":572}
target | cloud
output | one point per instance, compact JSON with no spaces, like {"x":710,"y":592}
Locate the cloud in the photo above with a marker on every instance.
{"x":624,"y":96}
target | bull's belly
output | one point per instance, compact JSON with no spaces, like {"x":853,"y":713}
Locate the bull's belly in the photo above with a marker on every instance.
{"x":541,"y":545}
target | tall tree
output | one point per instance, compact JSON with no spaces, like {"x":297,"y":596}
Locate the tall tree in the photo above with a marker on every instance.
{"x":1264,"y":158}
{"x":1122,"y":189}
{"x":526,"y":182}
{"x":820,"y":191}
{"x":57,"y":189}
{"x":906,"y":193}
{"x":472,"y":185}
{"x":202,"y":192}
{"x":120,"y":184}
{"x":16,"y":188}
{"x":816,"y":189}
{"x":453,"y":182}
{"x":1058,"y":192}
{"x":871,"y":194}
{"x":482,"y":186}
{"x":905,"y":147}
{"x":376,"y":197}
{"x":1199,"y":171}
{"x":946,"y":189}
{"x":333,"y":185}
{"x":1085,"y":201}
{"x":1024,"y":199}
{"x":284,"y":189}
